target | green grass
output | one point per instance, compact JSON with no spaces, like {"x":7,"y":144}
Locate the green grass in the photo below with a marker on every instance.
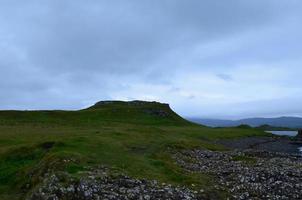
{"x":124,"y":137}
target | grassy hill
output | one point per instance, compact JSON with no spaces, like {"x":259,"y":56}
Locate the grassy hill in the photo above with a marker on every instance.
{"x":135,"y":138}
{"x":102,"y":113}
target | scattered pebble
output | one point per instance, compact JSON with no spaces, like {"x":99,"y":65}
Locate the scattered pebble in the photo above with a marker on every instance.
{"x":96,"y":187}
{"x":248,"y":174}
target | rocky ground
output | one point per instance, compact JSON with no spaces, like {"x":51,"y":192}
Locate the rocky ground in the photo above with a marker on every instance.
{"x":273,"y":144}
{"x":255,"y":168}
{"x":98,"y":184}
{"x":248,"y":174}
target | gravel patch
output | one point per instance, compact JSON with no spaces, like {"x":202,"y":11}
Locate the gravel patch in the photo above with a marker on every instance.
{"x":248,"y":174}
{"x":98,"y":185}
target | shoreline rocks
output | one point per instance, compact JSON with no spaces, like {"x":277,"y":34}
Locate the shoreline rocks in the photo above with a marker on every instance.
{"x":299,"y":136}
{"x":272,"y":144}
{"x":248,"y":174}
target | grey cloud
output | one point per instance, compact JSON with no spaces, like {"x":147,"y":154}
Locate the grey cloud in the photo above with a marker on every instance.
{"x":106,"y":36}
{"x":57,"y":53}
{"x":225,"y":77}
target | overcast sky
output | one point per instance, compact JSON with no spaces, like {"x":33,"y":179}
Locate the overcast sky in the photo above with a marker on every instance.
{"x":207,"y":58}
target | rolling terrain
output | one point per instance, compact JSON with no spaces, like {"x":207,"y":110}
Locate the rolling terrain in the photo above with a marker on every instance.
{"x":134,"y":138}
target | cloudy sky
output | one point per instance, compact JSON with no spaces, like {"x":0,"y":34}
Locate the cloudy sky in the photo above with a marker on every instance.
{"x":209,"y":58}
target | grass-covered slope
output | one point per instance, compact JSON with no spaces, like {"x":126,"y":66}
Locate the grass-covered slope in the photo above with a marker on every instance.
{"x":132,"y":137}
{"x":104,"y":112}
{"x":139,"y":112}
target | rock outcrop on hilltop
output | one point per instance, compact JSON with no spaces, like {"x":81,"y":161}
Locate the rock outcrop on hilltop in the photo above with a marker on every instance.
{"x":129,"y":103}
{"x":150,"y":108}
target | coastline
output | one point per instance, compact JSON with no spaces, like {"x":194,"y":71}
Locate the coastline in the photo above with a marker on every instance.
{"x":281,"y":144}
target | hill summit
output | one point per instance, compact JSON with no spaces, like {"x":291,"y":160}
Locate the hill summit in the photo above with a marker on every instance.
{"x":140,"y":111}
{"x":148,"y":107}
{"x":135,"y":103}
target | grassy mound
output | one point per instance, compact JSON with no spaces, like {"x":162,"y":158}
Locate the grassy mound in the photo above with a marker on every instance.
{"x":102,"y":113}
{"x":135,"y":138}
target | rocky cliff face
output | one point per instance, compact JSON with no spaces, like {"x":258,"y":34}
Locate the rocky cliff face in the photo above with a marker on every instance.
{"x":130,"y":103}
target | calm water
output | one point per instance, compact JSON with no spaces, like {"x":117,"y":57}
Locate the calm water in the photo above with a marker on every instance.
{"x":288,"y":133}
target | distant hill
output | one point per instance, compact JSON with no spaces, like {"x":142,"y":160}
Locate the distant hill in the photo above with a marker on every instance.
{"x":138,"y":112}
{"x":287,"y":122}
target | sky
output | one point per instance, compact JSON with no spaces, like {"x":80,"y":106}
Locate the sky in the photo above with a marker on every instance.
{"x":211,"y":58}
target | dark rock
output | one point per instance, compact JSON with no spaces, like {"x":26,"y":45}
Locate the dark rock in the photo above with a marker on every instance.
{"x":129,"y":103}
{"x":47,"y":145}
{"x":299,"y":136}
{"x":156,"y":112}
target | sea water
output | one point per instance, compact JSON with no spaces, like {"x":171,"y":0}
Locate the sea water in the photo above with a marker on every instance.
{"x":287,"y":133}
